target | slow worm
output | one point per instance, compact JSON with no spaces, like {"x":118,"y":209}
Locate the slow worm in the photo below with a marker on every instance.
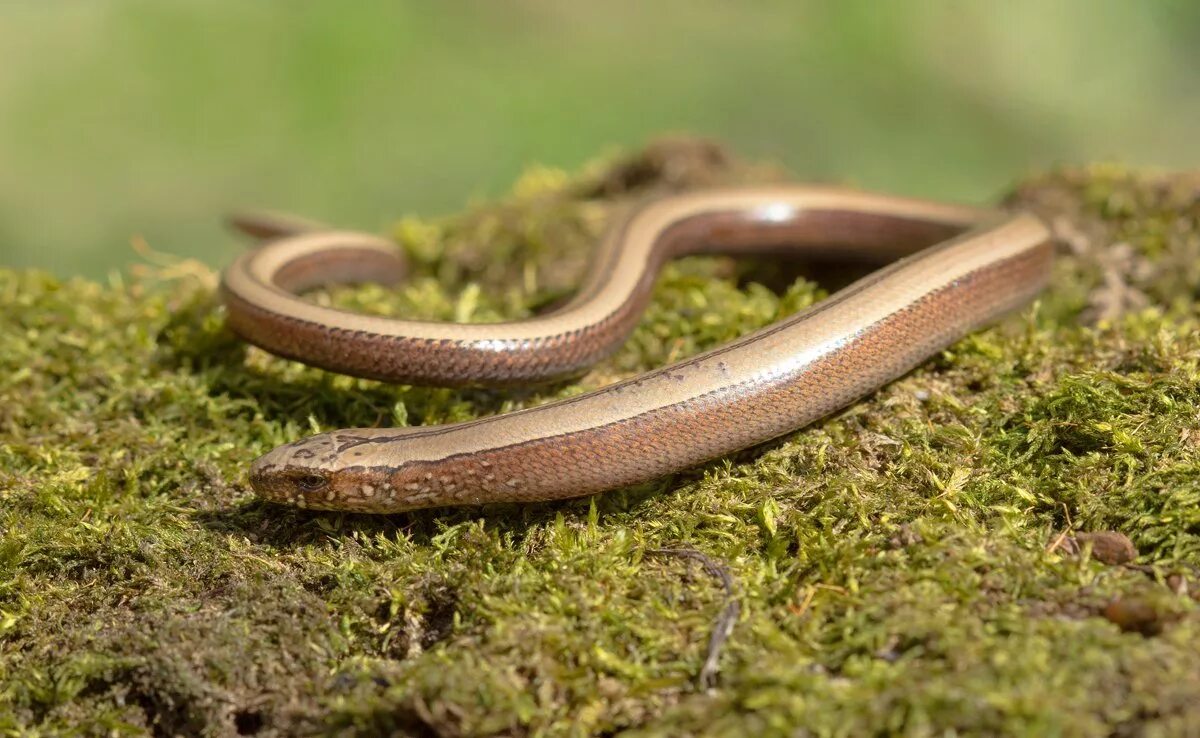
{"x":953,"y":269}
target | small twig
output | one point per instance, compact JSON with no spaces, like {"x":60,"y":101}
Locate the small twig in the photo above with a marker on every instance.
{"x":1066,"y":533}
{"x":1058,"y":541}
{"x":723,"y":627}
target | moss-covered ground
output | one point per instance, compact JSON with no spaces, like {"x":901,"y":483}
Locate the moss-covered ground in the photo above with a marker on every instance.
{"x":908,"y":565}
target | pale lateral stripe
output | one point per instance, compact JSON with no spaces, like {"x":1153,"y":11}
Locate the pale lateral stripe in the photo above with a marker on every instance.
{"x":770,"y":352}
{"x":251,"y":276}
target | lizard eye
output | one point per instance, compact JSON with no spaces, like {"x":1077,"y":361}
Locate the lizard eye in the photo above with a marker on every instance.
{"x":310,"y":482}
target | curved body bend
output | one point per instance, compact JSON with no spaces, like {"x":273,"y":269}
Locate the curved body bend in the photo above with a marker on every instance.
{"x":957,"y":269}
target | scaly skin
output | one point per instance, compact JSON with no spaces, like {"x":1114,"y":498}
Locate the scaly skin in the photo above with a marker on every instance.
{"x":749,"y":391}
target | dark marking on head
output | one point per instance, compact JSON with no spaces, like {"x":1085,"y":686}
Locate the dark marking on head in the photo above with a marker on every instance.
{"x":347,"y":442}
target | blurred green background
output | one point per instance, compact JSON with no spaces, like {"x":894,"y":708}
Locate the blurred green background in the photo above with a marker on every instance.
{"x":153,"y":117}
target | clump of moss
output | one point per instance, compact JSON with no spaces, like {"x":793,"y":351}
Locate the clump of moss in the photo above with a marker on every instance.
{"x":896,"y":564}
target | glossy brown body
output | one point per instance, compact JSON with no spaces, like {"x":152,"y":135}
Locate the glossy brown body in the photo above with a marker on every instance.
{"x":754,"y":389}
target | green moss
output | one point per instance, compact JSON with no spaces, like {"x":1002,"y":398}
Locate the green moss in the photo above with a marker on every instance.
{"x":895,"y":563}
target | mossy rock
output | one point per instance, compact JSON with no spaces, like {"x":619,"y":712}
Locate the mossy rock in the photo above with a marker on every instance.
{"x":904,"y":566}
